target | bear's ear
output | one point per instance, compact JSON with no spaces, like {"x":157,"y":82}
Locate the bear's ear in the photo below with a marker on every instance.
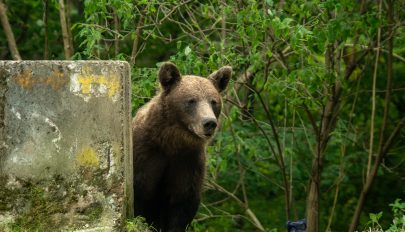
{"x":221,"y":77}
{"x":169,"y":75}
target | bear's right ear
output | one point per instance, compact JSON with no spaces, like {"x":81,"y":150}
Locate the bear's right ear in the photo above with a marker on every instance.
{"x":221,"y":77}
{"x":169,"y":75}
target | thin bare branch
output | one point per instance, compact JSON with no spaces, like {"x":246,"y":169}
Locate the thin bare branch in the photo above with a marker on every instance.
{"x":9,"y":33}
{"x":136,"y":40}
{"x":116,"y":29}
{"x":45,"y":19}
{"x":376,"y":49}
{"x":377,"y":57}
{"x":383,"y":147}
{"x":248,"y":211}
{"x":312,"y":120}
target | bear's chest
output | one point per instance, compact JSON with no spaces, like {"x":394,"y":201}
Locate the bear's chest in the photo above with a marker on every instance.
{"x":184,"y":175}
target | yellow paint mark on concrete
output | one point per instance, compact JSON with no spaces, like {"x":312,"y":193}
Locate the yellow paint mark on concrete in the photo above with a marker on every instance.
{"x":114,"y":86}
{"x":85,"y":82}
{"x":88,"y":80}
{"x":57,"y":80}
{"x":87,"y":157}
{"x":27,"y":80}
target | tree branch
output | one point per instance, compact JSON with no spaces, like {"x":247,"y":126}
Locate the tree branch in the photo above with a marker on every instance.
{"x":135,"y":45}
{"x":312,"y":120}
{"x":383,"y":147}
{"x":45,"y":19}
{"x":377,"y":48}
{"x":371,"y":146}
{"x":248,"y":211}
{"x":116,"y":28}
{"x":9,"y":33}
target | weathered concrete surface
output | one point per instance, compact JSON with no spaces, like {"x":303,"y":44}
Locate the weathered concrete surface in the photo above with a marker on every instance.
{"x":65,"y":145}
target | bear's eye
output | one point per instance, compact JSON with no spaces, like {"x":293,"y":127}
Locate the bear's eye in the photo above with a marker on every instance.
{"x":214,"y":103}
{"x":191,"y":102}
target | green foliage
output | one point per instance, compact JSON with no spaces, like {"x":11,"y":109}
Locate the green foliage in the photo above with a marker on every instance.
{"x":398,"y":222}
{"x":98,"y":26}
{"x":288,"y":58}
{"x":138,"y":224}
{"x":374,"y":218}
{"x":143,"y":88}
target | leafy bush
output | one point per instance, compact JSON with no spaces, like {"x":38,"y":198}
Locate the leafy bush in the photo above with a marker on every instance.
{"x":398,"y":222}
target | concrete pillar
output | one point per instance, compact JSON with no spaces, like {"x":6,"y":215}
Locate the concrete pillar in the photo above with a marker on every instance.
{"x":65,"y":145}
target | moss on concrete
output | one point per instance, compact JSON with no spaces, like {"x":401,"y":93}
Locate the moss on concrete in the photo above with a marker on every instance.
{"x":49,"y":205}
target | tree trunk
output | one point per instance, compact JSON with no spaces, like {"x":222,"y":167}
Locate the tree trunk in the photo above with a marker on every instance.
{"x":9,"y":33}
{"x":117,"y":30}
{"x":45,"y":19}
{"x":313,"y":198}
{"x":136,"y":40}
{"x":326,"y":126}
{"x":68,"y":26}
{"x":65,"y":33}
{"x":359,"y":207}
{"x":312,"y":211}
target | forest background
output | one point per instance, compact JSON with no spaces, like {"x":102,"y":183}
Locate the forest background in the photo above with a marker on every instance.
{"x":313,"y":120}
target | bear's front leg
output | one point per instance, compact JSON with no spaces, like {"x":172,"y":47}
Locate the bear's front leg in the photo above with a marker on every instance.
{"x":148,"y":177}
{"x":181,"y":213}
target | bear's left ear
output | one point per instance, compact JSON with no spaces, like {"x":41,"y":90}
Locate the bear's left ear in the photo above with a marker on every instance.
{"x":169,"y":75}
{"x":221,"y":77}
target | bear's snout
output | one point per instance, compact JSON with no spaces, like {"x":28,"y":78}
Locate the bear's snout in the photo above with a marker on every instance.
{"x":209,"y":125}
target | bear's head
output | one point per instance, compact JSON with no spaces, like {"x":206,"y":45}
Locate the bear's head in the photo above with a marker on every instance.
{"x":193,"y":103}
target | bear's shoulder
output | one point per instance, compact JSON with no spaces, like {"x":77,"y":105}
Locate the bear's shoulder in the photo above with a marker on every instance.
{"x":146,"y":112}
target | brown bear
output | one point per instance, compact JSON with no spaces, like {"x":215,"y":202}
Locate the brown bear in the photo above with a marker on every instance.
{"x":169,"y":136}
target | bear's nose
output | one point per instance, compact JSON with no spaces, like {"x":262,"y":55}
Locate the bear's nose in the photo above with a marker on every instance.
{"x":209,"y":124}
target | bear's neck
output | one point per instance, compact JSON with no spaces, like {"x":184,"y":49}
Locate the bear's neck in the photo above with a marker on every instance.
{"x":178,"y":141}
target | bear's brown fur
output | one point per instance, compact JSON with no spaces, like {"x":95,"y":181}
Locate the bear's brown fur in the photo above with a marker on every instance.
{"x":169,"y":135}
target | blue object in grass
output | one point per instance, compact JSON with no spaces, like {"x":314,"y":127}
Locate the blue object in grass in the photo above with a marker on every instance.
{"x":297,"y":226}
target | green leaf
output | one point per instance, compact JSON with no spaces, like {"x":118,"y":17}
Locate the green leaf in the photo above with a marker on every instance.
{"x":375,"y":217}
{"x":187,"y":50}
